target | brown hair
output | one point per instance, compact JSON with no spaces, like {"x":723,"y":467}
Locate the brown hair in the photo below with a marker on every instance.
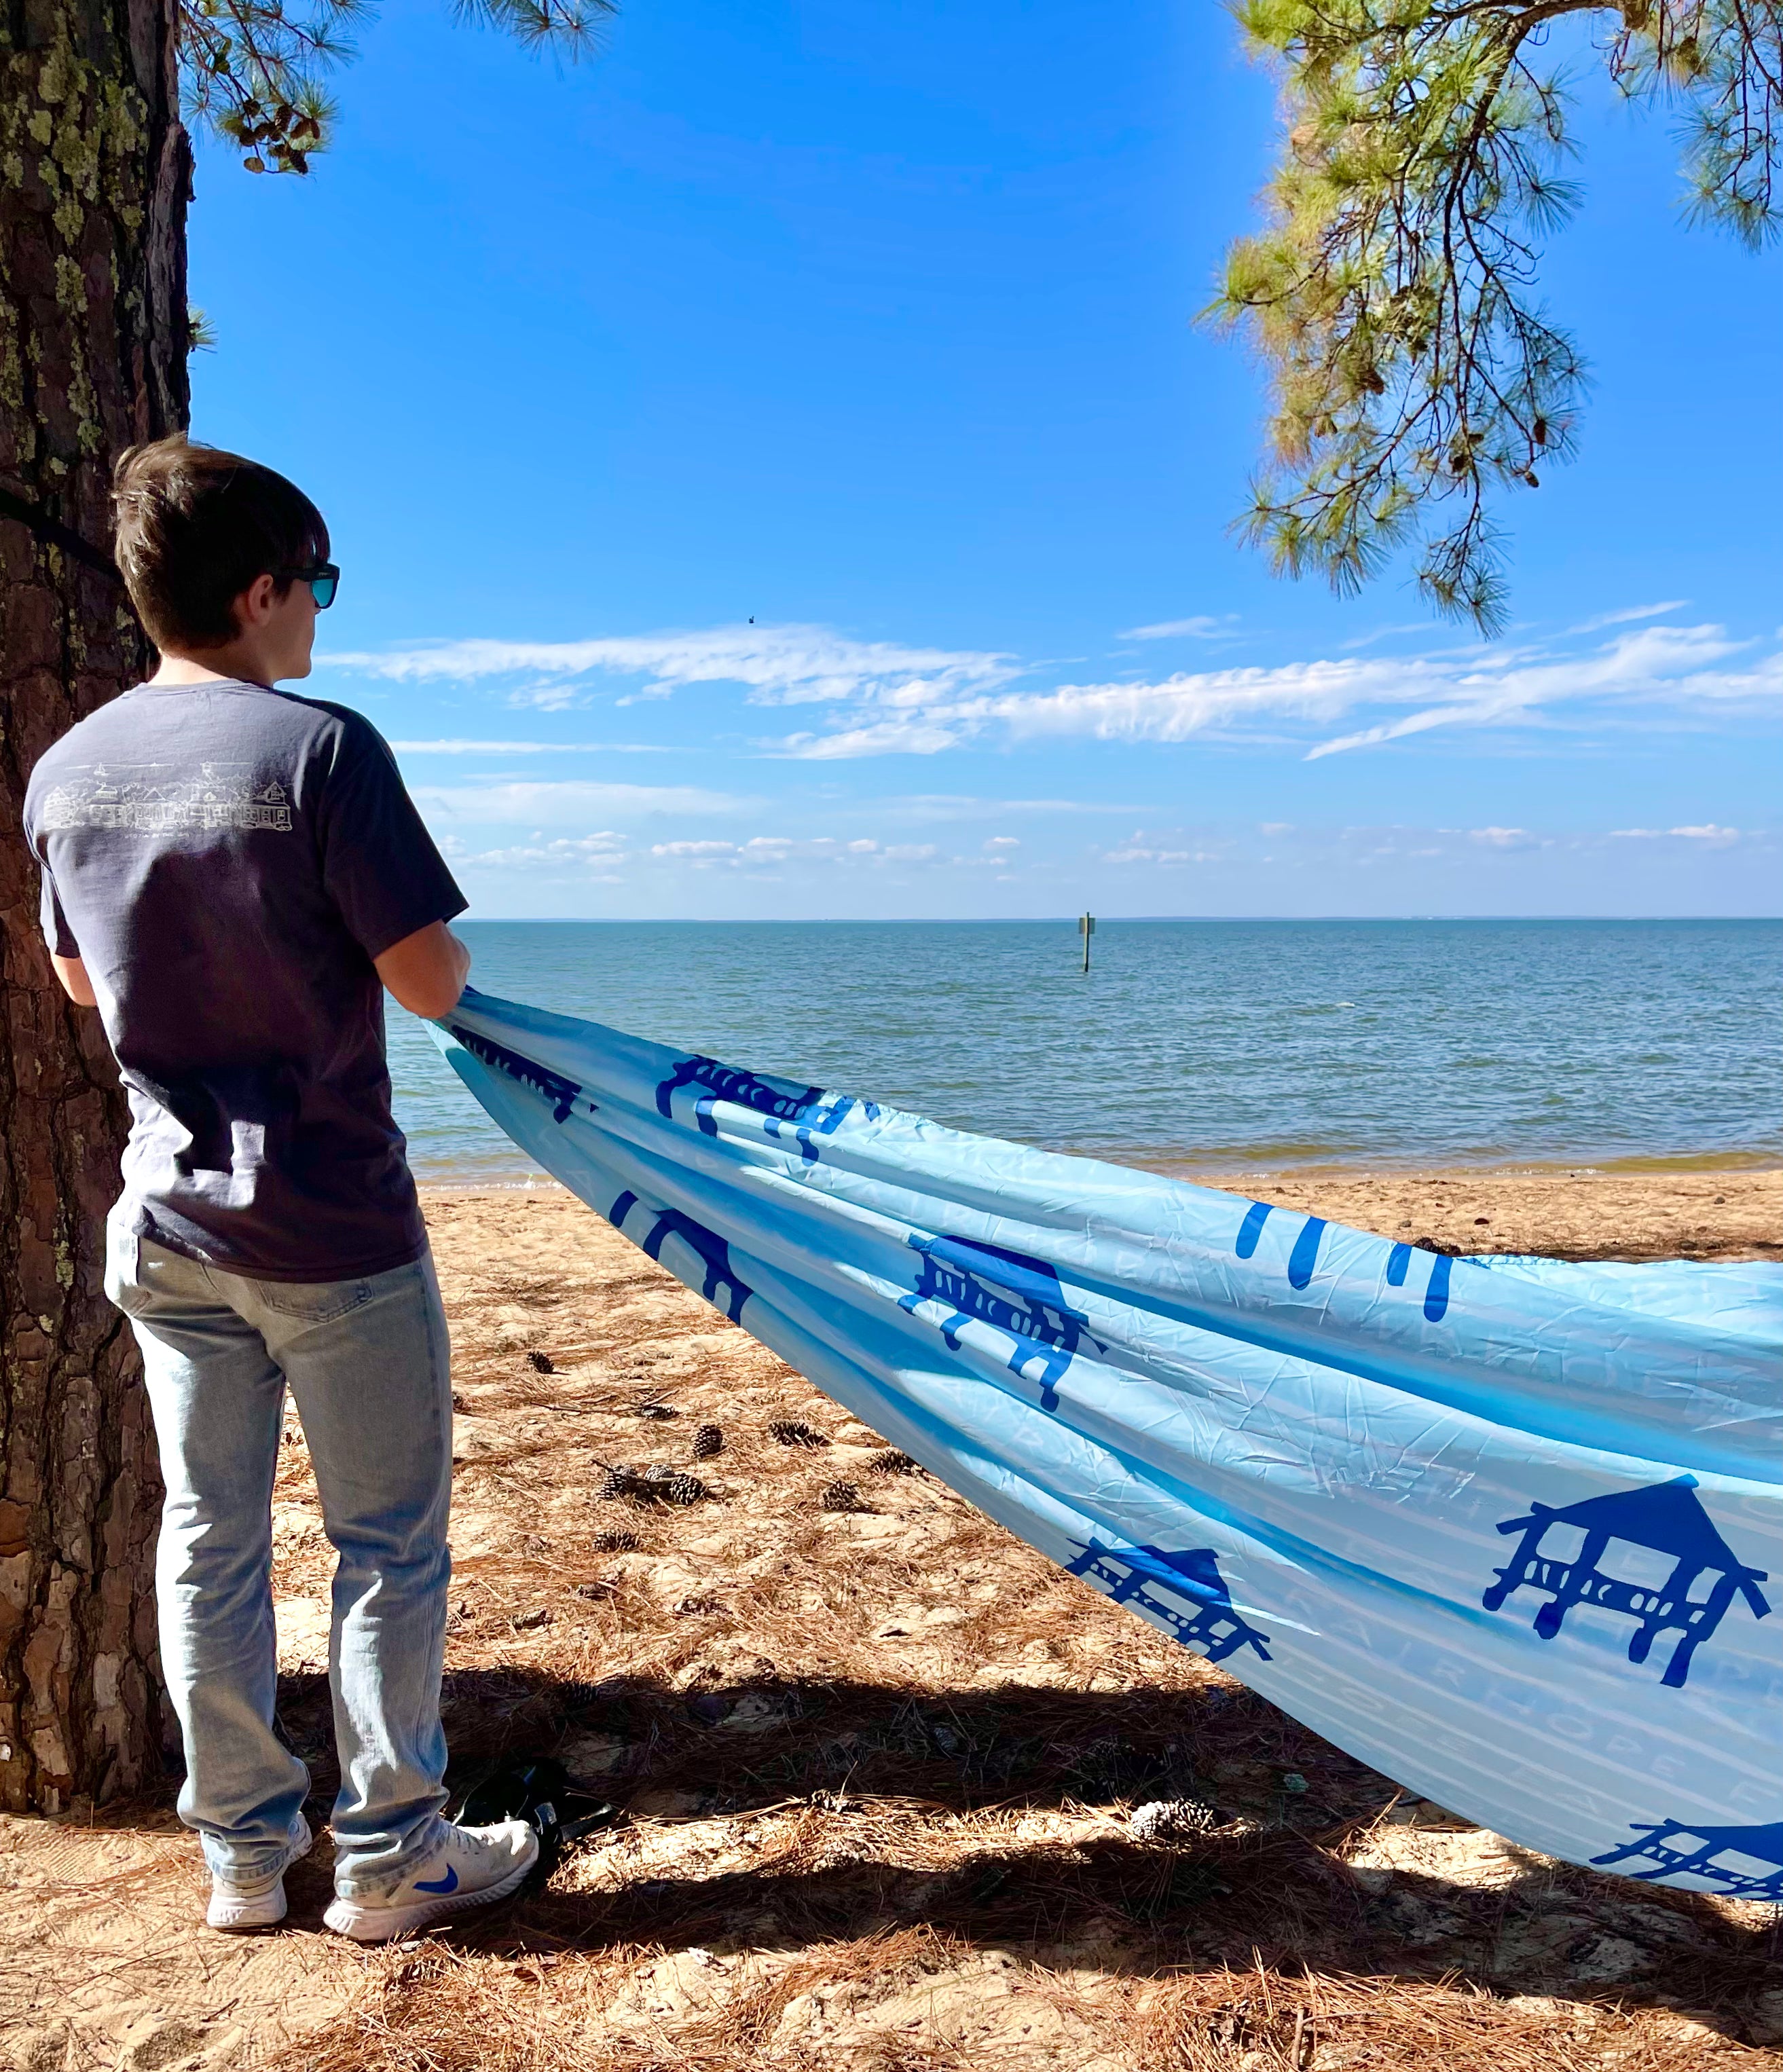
{"x":195,"y":527}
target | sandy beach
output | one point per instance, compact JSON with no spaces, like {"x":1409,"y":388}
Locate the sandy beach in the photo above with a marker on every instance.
{"x":877,"y":1769}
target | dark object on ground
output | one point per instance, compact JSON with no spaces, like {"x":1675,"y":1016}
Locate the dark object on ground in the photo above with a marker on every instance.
{"x":892,"y":1462}
{"x":541,"y":1615}
{"x":1435,"y":1244}
{"x":654,"y":1412}
{"x":615,"y":1543}
{"x":603,"y":1589}
{"x":660,"y":1484}
{"x":458,"y":1404}
{"x":540,"y":1362}
{"x":667,"y":1485}
{"x":708,"y":1441}
{"x":841,"y":1496}
{"x":539,"y":1790}
{"x":1173,"y":1820}
{"x":790,"y":1432}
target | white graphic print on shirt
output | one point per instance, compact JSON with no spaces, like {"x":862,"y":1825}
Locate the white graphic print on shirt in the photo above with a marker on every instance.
{"x":150,"y":798}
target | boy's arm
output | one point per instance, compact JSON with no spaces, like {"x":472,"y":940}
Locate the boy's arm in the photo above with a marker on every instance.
{"x":425,"y":971}
{"x":77,"y":985}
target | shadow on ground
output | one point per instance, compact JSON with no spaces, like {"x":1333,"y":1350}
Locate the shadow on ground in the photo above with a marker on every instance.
{"x":1272,"y":1884}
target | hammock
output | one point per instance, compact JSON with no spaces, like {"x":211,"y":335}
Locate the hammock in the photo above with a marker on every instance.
{"x":1507,"y":1529}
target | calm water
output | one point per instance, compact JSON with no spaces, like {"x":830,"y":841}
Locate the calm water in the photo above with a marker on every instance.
{"x":1193,"y":1046}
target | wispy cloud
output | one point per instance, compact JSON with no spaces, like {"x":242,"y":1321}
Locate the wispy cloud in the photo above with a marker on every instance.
{"x":1201,"y":628}
{"x":1627,"y":615}
{"x":881,"y":698}
{"x":566,"y":802}
{"x":1658,"y":667}
{"x":776,"y":665}
{"x":529,"y":748}
{"x":1711,"y":834}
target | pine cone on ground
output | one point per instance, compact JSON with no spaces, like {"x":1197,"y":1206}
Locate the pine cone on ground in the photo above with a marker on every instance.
{"x":790,"y":1432}
{"x":656,"y":1412}
{"x":708,"y":1441}
{"x":1173,"y":1820}
{"x":540,"y":1362}
{"x":615,"y":1543}
{"x":841,"y":1496}
{"x":616,"y":1482}
{"x":892,"y":1462}
{"x":668,"y":1485}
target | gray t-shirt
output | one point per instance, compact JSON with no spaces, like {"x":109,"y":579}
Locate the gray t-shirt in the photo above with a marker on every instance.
{"x":227,"y":861}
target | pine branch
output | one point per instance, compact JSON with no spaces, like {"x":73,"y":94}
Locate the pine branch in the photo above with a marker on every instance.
{"x":252,"y":71}
{"x":1392,"y":294}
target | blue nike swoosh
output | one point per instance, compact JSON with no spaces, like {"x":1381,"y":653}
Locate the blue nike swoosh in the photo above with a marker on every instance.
{"x":449,"y":1883}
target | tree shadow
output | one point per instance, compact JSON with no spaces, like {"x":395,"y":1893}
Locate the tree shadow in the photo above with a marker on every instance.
{"x":1268,"y":1884}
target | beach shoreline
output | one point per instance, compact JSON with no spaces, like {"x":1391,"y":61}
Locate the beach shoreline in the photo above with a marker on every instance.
{"x":1701,"y":1212}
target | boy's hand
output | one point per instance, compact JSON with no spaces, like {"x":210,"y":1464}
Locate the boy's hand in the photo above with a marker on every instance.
{"x":427,"y":970}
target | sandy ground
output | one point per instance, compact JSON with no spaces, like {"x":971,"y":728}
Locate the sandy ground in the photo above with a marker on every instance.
{"x":877,"y":1770}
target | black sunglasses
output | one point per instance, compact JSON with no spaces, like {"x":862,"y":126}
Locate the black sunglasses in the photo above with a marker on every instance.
{"x":323,"y":578}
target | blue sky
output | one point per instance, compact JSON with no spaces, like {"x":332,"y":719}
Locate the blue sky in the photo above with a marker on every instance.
{"x":776,"y":472}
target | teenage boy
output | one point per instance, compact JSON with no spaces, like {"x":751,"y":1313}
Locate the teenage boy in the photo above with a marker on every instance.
{"x":231,"y":875}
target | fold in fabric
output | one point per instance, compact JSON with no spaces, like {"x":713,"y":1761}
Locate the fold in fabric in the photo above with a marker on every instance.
{"x":1509,"y":1530}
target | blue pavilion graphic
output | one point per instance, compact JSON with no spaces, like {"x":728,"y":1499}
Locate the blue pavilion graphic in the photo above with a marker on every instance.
{"x":1571,"y":1554}
{"x":562,"y":1093}
{"x":707,"y":1247}
{"x":1015,"y":1293}
{"x":1743,"y":1862}
{"x":1183,"y":1593}
{"x":779,"y":1100}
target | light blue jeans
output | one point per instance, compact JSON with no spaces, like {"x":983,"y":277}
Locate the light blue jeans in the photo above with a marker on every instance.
{"x":368,"y":1364}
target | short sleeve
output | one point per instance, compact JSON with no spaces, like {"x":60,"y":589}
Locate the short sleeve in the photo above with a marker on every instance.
{"x":57,"y":931}
{"x":378,"y":860}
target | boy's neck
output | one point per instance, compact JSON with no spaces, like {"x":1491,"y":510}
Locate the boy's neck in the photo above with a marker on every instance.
{"x":179,"y":669}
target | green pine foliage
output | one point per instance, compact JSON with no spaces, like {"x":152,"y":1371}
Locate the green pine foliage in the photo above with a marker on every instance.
{"x":253,"y":68}
{"x":1392,"y":294}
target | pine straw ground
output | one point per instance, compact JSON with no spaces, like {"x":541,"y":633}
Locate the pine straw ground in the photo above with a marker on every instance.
{"x":877,"y":1770}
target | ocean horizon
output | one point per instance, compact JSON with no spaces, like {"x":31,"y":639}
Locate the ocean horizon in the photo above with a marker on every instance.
{"x":1217,"y":1046}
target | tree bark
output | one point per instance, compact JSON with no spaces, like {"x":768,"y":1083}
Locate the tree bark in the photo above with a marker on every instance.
{"x":95,"y":174}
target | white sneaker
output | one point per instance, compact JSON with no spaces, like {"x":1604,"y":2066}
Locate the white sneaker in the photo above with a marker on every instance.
{"x":237,"y":1906}
{"x":467,"y":1867}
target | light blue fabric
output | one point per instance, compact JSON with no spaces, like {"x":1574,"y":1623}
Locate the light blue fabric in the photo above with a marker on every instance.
{"x":368,"y":1363}
{"x":1509,"y":1530}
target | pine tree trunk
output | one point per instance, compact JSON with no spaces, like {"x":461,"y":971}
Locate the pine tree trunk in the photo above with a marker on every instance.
{"x":95,"y":171}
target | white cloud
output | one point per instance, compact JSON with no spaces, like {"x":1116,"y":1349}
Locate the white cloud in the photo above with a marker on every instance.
{"x":886,"y":699}
{"x":1715,"y":837}
{"x":1632,"y":612}
{"x":1199,"y":628}
{"x":1003,"y":841}
{"x":606,"y":850}
{"x":768,"y":851}
{"x":909,"y":734}
{"x":776,"y":664}
{"x":1660,"y":666}
{"x":528,"y":748}
{"x":1504,"y":838}
{"x":546,"y":803}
